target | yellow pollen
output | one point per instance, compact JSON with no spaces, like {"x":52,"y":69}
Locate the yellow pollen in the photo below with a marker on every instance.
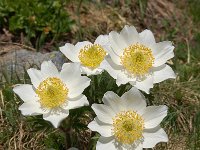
{"x":128,"y":127}
{"x":137,"y":59}
{"x":52,"y":93}
{"x":91,"y":56}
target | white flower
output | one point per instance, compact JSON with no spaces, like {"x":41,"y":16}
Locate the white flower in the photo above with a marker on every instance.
{"x":136,"y":58}
{"x":126,"y":123}
{"x":53,"y":93}
{"x":89,"y":55}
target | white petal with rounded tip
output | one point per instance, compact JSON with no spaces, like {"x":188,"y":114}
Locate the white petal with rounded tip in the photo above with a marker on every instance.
{"x":70,"y":52}
{"x":71,"y":76}
{"x":25,"y":92}
{"x":139,"y":147}
{"x":77,"y":102}
{"x":113,"y":101}
{"x":70,"y":73}
{"x":56,"y":118}
{"x":103,"y":112}
{"x":31,"y":108}
{"x":134,"y":100}
{"x":102,"y":128}
{"x":49,"y":69}
{"x":79,"y":86}
{"x":88,"y":71}
{"x":106,"y":143}
{"x":130,"y":35}
{"x":81,"y":45}
{"x":154,"y":136}
{"x":117,"y":42}
{"x":144,"y":85}
{"x":123,"y":78}
{"x":102,"y":40}
{"x":147,"y":38}
{"x":153,"y":115}
{"x":36,"y":76}
{"x":111,"y":67}
{"x":162,"y":73}
{"x":114,"y":56}
{"x":162,"y":52}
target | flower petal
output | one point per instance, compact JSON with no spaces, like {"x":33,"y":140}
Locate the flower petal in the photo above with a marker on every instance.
{"x":144,"y":85}
{"x":88,"y":71}
{"x":134,"y":100}
{"x":162,"y":52}
{"x":25,"y":92}
{"x":113,"y":101}
{"x":79,"y":86}
{"x":36,"y":76}
{"x":81,"y":45}
{"x":114,"y":56}
{"x":139,"y":147}
{"x":70,"y":72}
{"x":130,"y":35}
{"x":154,"y":136}
{"x":103,"y":112}
{"x":123,"y":78}
{"x":77,"y":102}
{"x":153,"y":115}
{"x":71,"y":75}
{"x":56,"y":118}
{"x":111,"y":67}
{"x":117,"y":42}
{"x":106,"y":143}
{"x":70,"y":52}
{"x":102,"y":40}
{"x":102,"y":128}
{"x":147,"y":38}
{"x":31,"y":108}
{"x":49,"y":69}
{"x":162,"y":73}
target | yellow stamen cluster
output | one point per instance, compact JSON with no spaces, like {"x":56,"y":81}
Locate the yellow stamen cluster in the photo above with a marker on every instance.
{"x":137,"y":59}
{"x":92,"y":55}
{"x":52,"y":93}
{"x":128,"y":127}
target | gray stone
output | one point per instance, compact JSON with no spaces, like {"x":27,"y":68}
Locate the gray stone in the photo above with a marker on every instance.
{"x":16,"y":62}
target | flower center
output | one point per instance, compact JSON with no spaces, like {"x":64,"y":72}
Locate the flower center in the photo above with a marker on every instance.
{"x":128,"y":127}
{"x":137,"y":59}
{"x":52,"y":93}
{"x":92,"y":55}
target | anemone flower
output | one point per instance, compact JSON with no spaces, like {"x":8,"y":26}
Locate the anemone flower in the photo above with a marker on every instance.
{"x":137,"y":58}
{"x":53,"y":93}
{"x":126,"y":123}
{"x":89,"y":55}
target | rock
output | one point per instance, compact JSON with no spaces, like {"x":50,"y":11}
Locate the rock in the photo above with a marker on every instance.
{"x":16,"y":62}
